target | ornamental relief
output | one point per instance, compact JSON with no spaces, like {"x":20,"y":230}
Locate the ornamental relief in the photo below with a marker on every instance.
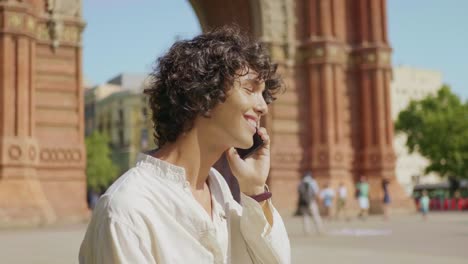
{"x":14,"y":21}
{"x":51,"y":28}
{"x":20,"y":151}
{"x":64,"y":7}
{"x":60,"y":155}
{"x":57,"y":31}
{"x":277,"y":25}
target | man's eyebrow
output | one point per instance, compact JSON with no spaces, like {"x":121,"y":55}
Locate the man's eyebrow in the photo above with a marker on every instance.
{"x":253,"y":80}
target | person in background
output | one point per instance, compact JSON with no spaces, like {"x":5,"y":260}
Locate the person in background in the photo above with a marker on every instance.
{"x":92,"y":198}
{"x":424,"y":205}
{"x":341,"y":201}
{"x":386,"y":199}
{"x":327,"y":195}
{"x":308,"y":195}
{"x":362,"y":188}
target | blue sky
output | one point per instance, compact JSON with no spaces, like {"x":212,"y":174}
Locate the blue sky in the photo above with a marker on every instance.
{"x":127,"y":36}
{"x":432,"y":34}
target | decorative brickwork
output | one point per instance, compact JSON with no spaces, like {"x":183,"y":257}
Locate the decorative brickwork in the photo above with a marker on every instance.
{"x":42,"y":157}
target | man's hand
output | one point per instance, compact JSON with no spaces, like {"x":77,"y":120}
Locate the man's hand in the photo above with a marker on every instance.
{"x":253,"y":171}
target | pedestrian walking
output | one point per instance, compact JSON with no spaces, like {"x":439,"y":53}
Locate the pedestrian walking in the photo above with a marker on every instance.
{"x":386,"y":199}
{"x":327,"y":195}
{"x":308,"y":196}
{"x":341,"y":202}
{"x":424,"y":204}
{"x":362,"y":193}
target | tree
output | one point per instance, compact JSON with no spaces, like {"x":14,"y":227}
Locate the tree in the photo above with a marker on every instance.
{"x":437,"y":127}
{"x":100,"y":169}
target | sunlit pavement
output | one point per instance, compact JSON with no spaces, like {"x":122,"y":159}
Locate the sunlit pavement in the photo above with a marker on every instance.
{"x":404,"y":239}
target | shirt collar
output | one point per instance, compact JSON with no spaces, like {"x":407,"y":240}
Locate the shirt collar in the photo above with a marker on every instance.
{"x":168,"y":170}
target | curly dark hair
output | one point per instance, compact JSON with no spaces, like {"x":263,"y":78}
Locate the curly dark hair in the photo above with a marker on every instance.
{"x":195,"y":75}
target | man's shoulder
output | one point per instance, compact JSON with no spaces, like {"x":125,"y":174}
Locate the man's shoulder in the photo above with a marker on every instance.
{"x":130,"y":181}
{"x":131,"y":191}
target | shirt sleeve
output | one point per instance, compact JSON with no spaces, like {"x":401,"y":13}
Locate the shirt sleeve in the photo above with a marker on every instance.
{"x":114,"y":242}
{"x":266,"y":244}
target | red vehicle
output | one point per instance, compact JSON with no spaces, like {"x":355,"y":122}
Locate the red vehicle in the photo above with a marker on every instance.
{"x":441,"y":198}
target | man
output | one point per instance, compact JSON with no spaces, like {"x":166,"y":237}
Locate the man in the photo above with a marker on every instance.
{"x":341,"y":202}
{"x":207,"y":97}
{"x":327,"y":195}
{"x":308,"y":195}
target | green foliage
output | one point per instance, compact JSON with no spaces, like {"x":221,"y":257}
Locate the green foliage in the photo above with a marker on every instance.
{"x":100,"y":170}
{"x":437,"y":127}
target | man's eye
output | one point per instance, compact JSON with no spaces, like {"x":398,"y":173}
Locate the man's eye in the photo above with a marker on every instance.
{"x":248,"y":90}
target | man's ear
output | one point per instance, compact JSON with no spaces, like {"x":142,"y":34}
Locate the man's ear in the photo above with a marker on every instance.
{"x":206,"y":114}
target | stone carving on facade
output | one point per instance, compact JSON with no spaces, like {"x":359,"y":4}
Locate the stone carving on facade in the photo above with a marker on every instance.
{"x":58,"y":10}
{"x":15,"y":152}
{"x":60,"y":155}
{"x":70,"y":8}
{"x":277,"y":26}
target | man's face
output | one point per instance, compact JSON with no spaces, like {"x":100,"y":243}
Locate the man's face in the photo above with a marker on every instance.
{"x":235,"y":121}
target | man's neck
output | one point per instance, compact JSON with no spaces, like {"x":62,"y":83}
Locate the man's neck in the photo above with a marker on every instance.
{"x":192,"y":152}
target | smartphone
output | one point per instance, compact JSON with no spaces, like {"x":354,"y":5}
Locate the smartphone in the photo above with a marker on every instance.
{"x":257,"y":143}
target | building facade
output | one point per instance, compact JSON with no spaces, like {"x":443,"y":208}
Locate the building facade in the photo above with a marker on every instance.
{"x":119,"y":110}
{"x":408,"y":84}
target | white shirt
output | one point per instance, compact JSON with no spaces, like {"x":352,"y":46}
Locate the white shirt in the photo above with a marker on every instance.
{"x":150,"y":216}
{"x":327,"y":193}
{"x":342,"y":192}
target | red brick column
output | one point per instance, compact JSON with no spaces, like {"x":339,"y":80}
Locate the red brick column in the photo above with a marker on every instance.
{"x":322,"y":60}
{"x":42,"y":157}
{"x":22,"y":198}
{"x":371,"y":57}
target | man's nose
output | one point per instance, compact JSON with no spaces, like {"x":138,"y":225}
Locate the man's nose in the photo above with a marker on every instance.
{"x":261,"y":106}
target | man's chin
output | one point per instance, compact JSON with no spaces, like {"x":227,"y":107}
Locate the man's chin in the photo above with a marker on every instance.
{"x":246,"y":144}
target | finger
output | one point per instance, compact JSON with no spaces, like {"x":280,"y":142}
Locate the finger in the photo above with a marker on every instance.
{"x":233,"y":158}
{"x":264,"y":135}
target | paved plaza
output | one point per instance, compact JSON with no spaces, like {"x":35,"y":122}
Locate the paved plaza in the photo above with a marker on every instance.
{"x":404,"y":239}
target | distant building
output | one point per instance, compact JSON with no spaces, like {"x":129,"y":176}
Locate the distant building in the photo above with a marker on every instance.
{"x":130,"y":81}
{"x":92,"y":96}
{"x":411,"y":84}
{"x":118,"y":109}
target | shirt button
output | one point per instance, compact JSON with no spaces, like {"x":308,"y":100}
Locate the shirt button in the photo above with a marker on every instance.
{"x":222,"y":216}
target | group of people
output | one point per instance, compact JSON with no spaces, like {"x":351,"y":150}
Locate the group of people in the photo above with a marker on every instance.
{"x":310,"y":197}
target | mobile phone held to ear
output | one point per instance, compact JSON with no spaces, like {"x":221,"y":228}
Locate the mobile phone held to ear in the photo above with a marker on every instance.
{"x":257,"y":143}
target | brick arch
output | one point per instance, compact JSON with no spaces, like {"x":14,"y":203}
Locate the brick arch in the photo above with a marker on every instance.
{"x":212,"y":13}
{"x":334,"y":118}
{"x":334,"y":56}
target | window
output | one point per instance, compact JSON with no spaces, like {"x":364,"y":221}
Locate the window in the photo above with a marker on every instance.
{"x":121,"y":138}
{"x":121,"y":117}
{"x":144,"y":139}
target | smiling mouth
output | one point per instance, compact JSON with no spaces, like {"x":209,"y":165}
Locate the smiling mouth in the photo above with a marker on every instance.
{"x":252,"y":123}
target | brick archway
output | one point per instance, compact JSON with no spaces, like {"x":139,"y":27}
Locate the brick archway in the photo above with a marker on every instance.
{"x":334,"y":118}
